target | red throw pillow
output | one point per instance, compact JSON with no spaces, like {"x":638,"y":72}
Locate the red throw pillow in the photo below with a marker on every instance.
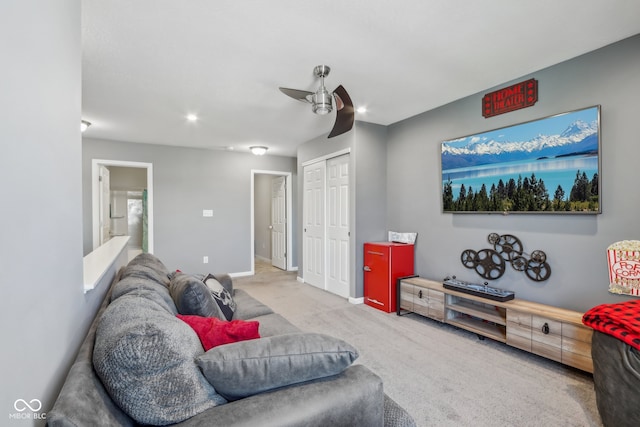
{"x":214,"y":332}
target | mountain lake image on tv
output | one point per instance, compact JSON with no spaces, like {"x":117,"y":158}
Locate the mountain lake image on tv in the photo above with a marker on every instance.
{"x":550,"y":165}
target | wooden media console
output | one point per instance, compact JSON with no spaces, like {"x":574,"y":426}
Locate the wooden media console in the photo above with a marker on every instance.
{"x":551,"y":332}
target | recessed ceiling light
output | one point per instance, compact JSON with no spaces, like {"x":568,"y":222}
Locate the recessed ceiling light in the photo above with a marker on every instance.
{"x":362,"y":110}
{"x":192,"y":117}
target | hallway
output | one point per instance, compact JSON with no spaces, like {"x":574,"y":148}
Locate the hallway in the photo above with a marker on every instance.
{"x":262,"y":266}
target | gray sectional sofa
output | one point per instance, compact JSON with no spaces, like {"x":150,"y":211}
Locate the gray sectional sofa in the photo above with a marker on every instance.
{"x":616,"y":379}
{"x":140,"y":364}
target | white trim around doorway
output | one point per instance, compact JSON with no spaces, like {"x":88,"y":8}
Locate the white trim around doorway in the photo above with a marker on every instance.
{"x":95,"y":201}
{"x":288,"y":181}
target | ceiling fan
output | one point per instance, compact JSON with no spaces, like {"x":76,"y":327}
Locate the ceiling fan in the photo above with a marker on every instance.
{"x":322,"y":102}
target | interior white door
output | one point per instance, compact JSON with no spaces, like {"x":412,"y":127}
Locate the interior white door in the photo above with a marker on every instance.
{"x":105,"y":204}
{"x":279,"y":223}
{"x":313,"y":224}
{"x":338,"y":225}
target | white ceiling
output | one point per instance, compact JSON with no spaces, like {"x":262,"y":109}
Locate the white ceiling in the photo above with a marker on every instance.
{"x":149,"y":63}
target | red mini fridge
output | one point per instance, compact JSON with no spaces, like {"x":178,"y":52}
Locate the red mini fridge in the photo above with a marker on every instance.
{"x":384,"y":263}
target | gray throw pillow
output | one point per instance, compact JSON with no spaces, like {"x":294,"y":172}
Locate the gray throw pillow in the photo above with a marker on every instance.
{"x":144,"y":356}
{"x":222,"y":296}
{"x":246,"y":368}
{"x":193,"y":297}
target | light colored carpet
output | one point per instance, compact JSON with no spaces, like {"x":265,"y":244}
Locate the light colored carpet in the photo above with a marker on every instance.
{"x":263,"y":266}
{"x":441,"y":375}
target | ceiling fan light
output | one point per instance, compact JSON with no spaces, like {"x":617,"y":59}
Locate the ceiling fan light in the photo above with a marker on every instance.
{"x":322,"y":102}
{"x":258,"y":150}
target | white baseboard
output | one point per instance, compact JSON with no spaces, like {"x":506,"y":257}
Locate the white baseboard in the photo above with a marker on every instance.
{"x":252,"y":273}
{"x":242,"y":274}
{"x":299,"y":279}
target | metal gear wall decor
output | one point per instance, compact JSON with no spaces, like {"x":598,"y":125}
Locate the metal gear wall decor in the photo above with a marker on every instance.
{"x":490,"y":263}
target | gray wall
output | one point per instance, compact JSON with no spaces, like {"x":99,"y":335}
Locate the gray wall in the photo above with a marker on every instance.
{"x":371,"y":173}
{"x":127,"y":178}
{"x":46,"y":312}
{"x":575,"y":245}
{"x":186,"y":181}
{"x":367,"y":186}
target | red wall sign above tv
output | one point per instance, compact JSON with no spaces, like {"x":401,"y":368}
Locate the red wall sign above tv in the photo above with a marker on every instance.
{"x":520,"y":95}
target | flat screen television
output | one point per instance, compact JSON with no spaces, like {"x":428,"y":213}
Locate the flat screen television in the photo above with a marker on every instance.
{"x":549,"y":165}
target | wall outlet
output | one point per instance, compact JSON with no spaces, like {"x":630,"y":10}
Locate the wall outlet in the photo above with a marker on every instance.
{"x":207,"y":212}
{"x":205,"y":260}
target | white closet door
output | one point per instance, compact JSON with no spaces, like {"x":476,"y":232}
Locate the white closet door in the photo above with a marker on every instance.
{"x":313,"y":224}
{"x":338,"y":225}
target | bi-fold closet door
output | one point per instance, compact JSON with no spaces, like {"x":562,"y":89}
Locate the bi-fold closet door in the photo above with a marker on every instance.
{"x":326,"y":227}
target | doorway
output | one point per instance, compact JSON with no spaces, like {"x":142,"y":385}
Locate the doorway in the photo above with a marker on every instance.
{"x":271,"y":213}
{"x":122,"y":209}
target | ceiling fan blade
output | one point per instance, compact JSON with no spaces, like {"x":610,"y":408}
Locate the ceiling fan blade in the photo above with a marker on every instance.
{"x":345,"y":114}
{"x":300,"y":95}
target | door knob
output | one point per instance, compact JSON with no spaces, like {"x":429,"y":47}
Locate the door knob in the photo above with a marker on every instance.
{"x":367,"y":268}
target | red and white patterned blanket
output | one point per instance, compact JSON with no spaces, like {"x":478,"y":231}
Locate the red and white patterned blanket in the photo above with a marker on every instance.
{"x":621,"y":320}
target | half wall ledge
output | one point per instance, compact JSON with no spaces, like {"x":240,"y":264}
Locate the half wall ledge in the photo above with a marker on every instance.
{"x":98,"y":262}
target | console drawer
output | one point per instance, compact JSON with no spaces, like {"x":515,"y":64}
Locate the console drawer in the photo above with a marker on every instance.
{"x":406,"y":296}
{"x":421,"y":300}
{"x":429,"y":303}
{"x":519,"y":329}
{"x":546,"y":337}
{"x":576,"y":346}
